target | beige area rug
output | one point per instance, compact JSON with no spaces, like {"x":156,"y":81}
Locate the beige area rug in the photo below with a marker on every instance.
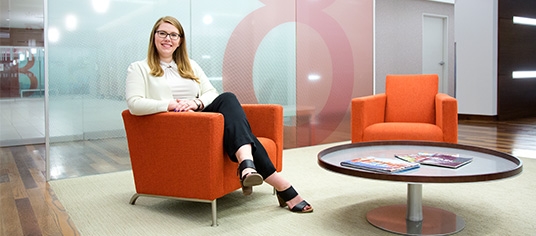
{"x":99,"y":204}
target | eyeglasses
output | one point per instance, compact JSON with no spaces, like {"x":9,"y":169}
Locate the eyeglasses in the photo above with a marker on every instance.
{"x":164,"y":34}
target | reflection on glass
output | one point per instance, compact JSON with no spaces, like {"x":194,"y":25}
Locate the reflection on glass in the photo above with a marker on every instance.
{"x":71,"y":22}
{"x":53,"y":35}
{"x":313,"y":77}
{"x":101,"y":6}
{"x":21,"y":95}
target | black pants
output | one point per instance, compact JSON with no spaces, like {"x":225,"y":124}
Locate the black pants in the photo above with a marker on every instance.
{"x":237,"y":132}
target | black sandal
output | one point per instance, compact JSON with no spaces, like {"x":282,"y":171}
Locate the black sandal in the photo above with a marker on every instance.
{"x":250,"y":179}
{"x":286,"y":195}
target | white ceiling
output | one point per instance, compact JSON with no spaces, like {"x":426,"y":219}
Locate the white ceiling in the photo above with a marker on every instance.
{"x":25,"y":14}
{"x":29,"y":14}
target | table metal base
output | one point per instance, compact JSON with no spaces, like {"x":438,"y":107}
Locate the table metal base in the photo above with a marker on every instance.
{"x":435,"y":221}
{"x":415,"y":219}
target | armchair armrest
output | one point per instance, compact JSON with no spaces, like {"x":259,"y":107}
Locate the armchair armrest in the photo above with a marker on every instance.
{"x":366,"y":111}
{"x":266,"y":120}
{"x":447,"y":116}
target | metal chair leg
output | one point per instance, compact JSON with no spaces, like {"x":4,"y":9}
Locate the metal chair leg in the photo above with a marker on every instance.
{"x":212,"y":204}
{"x":214,"y":213}
{"x":134,"y":198}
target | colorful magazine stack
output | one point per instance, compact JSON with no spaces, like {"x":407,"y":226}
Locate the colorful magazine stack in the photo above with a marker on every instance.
{"x":435,"y":159}
{"x":385,"y":165}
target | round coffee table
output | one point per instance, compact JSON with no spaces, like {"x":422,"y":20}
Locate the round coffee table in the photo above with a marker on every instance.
{"x":413,"y":218}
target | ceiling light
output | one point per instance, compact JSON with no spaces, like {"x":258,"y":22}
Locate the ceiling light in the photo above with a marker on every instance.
{"x":71,"y":22}
{"x":207,"y":19}
{"x":313,"y":77}
{"x":523,"y":74}
{"x":101,"y":6}
{"x":53,"y":34}
{"x":524,"y":20}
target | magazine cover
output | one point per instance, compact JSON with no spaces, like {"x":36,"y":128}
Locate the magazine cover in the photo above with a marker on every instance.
{"x":380,"y":164}
{"x":436,"y":159}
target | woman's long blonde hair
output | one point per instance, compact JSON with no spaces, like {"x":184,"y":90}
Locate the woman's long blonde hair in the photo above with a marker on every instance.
{"x":180,"y":56}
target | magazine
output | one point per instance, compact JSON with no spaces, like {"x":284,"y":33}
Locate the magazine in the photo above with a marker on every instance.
{"x":436,"y":159}
{"x":385,"y":165}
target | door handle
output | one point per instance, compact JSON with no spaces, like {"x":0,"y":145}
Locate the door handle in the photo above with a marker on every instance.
{"x":441,"y":63}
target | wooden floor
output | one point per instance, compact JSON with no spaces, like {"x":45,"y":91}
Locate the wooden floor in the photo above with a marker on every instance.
{"x":28,"y":206}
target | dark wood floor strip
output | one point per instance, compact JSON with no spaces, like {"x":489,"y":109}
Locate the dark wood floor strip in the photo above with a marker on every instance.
{"x":27,"y":218}
{"x":9,"y":217}
{"x":20,"y":155}
{"x":4,"y":177}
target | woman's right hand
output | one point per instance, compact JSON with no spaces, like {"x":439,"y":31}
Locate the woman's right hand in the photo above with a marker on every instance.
{"x":181,"y":105}
{"x":173,"y":105}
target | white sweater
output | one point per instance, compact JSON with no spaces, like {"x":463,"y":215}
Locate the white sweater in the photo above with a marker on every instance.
{"x":147,"y":94}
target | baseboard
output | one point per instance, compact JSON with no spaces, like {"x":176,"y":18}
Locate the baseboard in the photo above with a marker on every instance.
{"x":21,"y":142}
{"x":477,"y":117}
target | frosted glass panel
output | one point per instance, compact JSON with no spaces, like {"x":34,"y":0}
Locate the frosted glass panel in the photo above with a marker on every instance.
{"x":89,"y":49}
{"x":217,"y":26}
{"x":310,"y":56}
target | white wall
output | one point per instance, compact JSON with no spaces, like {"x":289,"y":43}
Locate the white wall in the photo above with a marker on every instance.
{"x":398,"y":38}
{"x":476,"y":56}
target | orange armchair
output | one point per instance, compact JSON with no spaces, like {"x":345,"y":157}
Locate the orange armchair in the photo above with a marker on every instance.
{"x":180,"y":155}
{"x":410,"y":109}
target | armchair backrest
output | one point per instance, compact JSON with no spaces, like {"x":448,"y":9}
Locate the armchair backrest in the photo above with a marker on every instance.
{"x":411,"y":98}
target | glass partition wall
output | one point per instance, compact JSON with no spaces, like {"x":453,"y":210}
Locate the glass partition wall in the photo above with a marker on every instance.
{"x":22,"y":119}
{"x":311,"y":57}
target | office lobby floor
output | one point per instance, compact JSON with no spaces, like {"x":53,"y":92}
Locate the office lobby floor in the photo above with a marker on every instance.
{"x":93,"y":157}
{"x":22,"y":121}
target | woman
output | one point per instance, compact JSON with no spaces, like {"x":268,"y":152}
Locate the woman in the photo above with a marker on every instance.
{"x":169,"y":81}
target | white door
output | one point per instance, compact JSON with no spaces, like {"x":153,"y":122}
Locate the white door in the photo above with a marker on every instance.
{"x":434,"y":49}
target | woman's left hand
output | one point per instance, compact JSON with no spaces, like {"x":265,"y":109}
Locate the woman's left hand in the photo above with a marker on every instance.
{"x":185,"y":105}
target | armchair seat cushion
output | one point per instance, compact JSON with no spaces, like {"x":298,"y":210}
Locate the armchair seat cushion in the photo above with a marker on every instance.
{"x":403,"y":131}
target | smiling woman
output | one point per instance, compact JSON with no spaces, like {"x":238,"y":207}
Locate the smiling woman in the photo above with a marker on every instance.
{"x":169,"y":81}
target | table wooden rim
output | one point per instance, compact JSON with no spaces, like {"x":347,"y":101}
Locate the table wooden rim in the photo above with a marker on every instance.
{"x":417,"y":178}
